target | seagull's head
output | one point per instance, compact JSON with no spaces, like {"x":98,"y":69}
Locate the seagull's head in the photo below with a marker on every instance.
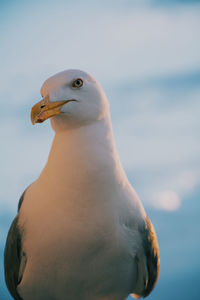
{"x":70,"y":98}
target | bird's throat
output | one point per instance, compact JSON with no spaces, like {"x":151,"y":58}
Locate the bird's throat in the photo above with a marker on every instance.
{"x":83,"y":158}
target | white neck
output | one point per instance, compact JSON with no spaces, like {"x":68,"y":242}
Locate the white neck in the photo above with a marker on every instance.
{"x":84,"y":176}
{"x":84,"y":156}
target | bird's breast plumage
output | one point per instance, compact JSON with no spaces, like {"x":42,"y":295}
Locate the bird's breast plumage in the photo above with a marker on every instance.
{"x":81,"y":246}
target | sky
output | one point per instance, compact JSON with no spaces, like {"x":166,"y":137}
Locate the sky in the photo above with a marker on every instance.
{"x":146,"y":55}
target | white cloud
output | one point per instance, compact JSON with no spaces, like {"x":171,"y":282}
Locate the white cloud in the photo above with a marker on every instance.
{"x":159,"y":137}
{"x":110,"y":43}
{"x":158,"y":142}
{"x":167,"y":200}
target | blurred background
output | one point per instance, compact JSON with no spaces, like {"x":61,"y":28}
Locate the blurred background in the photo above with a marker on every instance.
{"x":146,"y":54}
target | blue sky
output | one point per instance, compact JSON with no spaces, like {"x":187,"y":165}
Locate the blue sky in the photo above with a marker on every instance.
{"x":146,"y":54}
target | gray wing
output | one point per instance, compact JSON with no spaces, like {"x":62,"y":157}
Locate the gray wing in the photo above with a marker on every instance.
{"x":148,"y":261}
{"x":14,"y":257}
{"x":21,"y":199}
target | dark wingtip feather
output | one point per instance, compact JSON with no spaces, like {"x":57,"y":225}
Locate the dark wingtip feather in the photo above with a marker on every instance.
{"x":153,"y":258}
{"x":21,"y":200}
{"x":12,"y":257}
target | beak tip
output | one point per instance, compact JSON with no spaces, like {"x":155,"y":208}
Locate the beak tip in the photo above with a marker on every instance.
{"x":32,"y":117}
{"x":33,"y":120}
{"x":39,"y":115}
{"x":36,"y":120}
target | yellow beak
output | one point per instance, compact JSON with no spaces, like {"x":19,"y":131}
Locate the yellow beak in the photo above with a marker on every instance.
{"x":44,"y":110}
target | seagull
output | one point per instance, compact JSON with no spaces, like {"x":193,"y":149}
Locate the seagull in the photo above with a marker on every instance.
{"x":81,"y":232}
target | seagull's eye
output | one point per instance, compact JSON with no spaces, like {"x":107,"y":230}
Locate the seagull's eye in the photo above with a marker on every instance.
{"x":77,"y":83}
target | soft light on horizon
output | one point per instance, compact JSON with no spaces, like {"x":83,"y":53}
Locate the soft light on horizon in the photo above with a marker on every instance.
{"x":167,"y":200}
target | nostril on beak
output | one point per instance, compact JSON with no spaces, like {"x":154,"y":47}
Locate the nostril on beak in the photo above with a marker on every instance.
{"x":42,"y":106}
